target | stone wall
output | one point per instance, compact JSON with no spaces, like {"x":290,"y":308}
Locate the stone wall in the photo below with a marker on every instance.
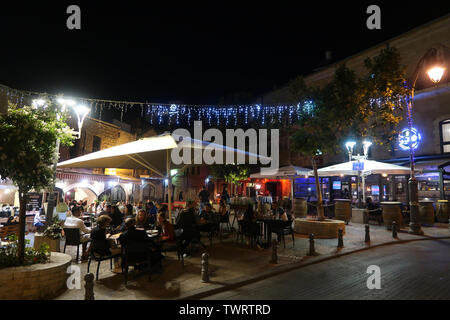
{"x":35,"y":282}
{"x":110,"y":135}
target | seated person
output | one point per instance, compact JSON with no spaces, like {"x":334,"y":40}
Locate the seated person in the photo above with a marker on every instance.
{"x":207,"y":219}
{"x":137,"y":244}
{"x":142,"y":221}
{"x":248,"y":223}
{"x":187,"y":220}
{"x":101,"y":244}
{"x":166,"y":229}
{"x":279,"y":211}
{"x":116,"y":217}
{"x":75,"y":222}
{"x":12,"y":221}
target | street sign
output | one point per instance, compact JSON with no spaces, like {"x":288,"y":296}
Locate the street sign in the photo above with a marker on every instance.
{"x":358,"y":166}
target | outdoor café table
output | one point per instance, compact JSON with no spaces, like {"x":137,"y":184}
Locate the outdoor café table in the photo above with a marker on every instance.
{"x":269,"y":223}
{"x":152,"y":234}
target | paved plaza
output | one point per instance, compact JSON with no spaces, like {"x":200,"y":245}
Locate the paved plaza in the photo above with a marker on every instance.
{"x":233,"y":264}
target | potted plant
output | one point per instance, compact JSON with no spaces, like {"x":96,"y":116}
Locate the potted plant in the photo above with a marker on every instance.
{"x":52,"y":236}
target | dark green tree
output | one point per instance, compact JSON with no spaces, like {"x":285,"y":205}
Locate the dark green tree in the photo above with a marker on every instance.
{"x":27,"y":142}
{"x":348,"y":107}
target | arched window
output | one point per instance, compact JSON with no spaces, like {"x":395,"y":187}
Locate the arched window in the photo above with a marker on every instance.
{"x":445,"y":136}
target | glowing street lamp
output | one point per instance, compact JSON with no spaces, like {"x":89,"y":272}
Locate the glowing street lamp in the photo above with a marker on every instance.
{"x":81,"y":111}
{"x":366,"y":146}
{"x":435,"y":74}
{"x":350,"y":145}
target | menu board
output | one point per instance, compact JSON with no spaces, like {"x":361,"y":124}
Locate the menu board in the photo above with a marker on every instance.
{"x":34,"y":201}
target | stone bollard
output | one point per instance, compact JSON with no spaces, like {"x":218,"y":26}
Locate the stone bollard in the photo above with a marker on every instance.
{"x":274,"y":259}
{"x":367,"y":233}
{"x":312,"y":250}
{"x":340,"y":238}
{"x":394,"y":229}
{"x":89,"y":286}
{"x":448,"y":224}
{"x":205,"y":267}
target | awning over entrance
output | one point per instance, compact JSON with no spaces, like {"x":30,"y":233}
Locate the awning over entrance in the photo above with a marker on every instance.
{"x":282,"y":173}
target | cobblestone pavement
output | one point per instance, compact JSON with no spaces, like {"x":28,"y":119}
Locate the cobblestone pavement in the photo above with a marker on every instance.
{"x":415,"y":270}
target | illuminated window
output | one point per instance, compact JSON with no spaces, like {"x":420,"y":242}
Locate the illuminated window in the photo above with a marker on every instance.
{"x":445,"y":136}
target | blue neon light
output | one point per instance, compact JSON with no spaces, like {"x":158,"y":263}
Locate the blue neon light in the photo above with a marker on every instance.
{"x":405,"y":138}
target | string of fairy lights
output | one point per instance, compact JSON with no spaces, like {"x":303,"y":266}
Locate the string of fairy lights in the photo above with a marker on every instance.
{"x":179,"y":114}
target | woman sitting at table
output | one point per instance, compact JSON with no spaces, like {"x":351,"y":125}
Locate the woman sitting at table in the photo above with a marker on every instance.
{"x":116,"y":217}
{"x":142,"y":220}
{"x":101,"y":244}
{"x":166,"y":229}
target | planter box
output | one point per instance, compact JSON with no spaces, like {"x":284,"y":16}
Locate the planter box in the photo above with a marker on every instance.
{"x":53,"y":244}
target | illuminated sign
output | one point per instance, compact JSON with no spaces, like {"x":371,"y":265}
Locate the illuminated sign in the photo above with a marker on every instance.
{"x":406,"y":138}
{"x":111,"y":171}
{"x":358,"y":166}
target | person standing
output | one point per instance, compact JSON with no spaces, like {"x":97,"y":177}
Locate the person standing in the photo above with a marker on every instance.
{"x":204,"y":198}
{"x":225,"y":196}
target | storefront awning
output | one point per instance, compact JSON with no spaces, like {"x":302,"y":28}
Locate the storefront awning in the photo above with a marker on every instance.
{"x":286,"y":172}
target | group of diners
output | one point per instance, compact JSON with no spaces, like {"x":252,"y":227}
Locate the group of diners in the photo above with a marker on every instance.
{"x":133,"y":229}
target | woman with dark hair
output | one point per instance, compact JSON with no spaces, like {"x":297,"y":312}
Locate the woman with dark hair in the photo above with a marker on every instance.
{"x":129,"y":211}
{"x":101,"y":244}
{"x":116,"y":217}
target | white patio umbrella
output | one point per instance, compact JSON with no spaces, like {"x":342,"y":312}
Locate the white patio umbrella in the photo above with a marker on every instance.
{"x":282,"y":173}
{"x":368,"y":167}
{"x":149,"y":154}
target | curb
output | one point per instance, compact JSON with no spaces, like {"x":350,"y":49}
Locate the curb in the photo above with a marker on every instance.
{"x":215,"y":288}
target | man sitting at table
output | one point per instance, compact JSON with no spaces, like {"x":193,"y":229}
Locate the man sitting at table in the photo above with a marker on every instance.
{"x":101,"y":244}
{"x":107,"y":210}
{"x":75,"y":222}
{"x":138,"y":245}
{"x":277,"y":210}
{"x":187,"y":221}
{"x":207,"y":219}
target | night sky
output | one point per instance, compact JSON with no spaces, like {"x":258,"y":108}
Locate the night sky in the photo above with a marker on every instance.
{"x":186,"y":52}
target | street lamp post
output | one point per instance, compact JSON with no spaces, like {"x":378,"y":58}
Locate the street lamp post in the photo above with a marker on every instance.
{"x":81,"y":112}
{"x":435,"y":74}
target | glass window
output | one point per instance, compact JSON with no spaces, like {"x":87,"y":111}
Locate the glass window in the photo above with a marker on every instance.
{"x":96,"y":143}
{"x":445,"y":136}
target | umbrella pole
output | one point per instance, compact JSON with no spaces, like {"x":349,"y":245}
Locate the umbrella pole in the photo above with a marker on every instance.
{"x":169,"y":186}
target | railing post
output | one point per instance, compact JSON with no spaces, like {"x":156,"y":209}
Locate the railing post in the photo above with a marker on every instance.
{"x":205,"y":267}
{"x":274,"y":259}
{"x":312,"y":250}
{"x":394,"y":229}
{"x":89,"y":287}
{"x":340,"y":238}
{"x":367,"y":239}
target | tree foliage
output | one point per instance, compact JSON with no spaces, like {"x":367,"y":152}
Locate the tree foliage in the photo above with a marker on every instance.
{"x":28,"y":138}
{"x":350,"y":107}
{"x":231,"y":173}
{"x":27,"y":142}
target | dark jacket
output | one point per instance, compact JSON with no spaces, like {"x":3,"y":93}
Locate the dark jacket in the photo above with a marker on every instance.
{"x":187,"y":221}
{"x":100,"y":244}
{"x":116,"y":218}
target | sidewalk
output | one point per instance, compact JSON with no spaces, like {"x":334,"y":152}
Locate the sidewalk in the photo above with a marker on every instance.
{"x":233,"y":264}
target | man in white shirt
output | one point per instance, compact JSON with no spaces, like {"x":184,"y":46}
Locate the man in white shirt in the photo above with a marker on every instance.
{"x":75,"y":222}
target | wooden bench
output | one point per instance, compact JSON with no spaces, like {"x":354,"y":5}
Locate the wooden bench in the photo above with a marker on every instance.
{"x":9,"y":230}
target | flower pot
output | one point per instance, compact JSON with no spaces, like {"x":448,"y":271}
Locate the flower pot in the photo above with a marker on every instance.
{"x":54,"y":244}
